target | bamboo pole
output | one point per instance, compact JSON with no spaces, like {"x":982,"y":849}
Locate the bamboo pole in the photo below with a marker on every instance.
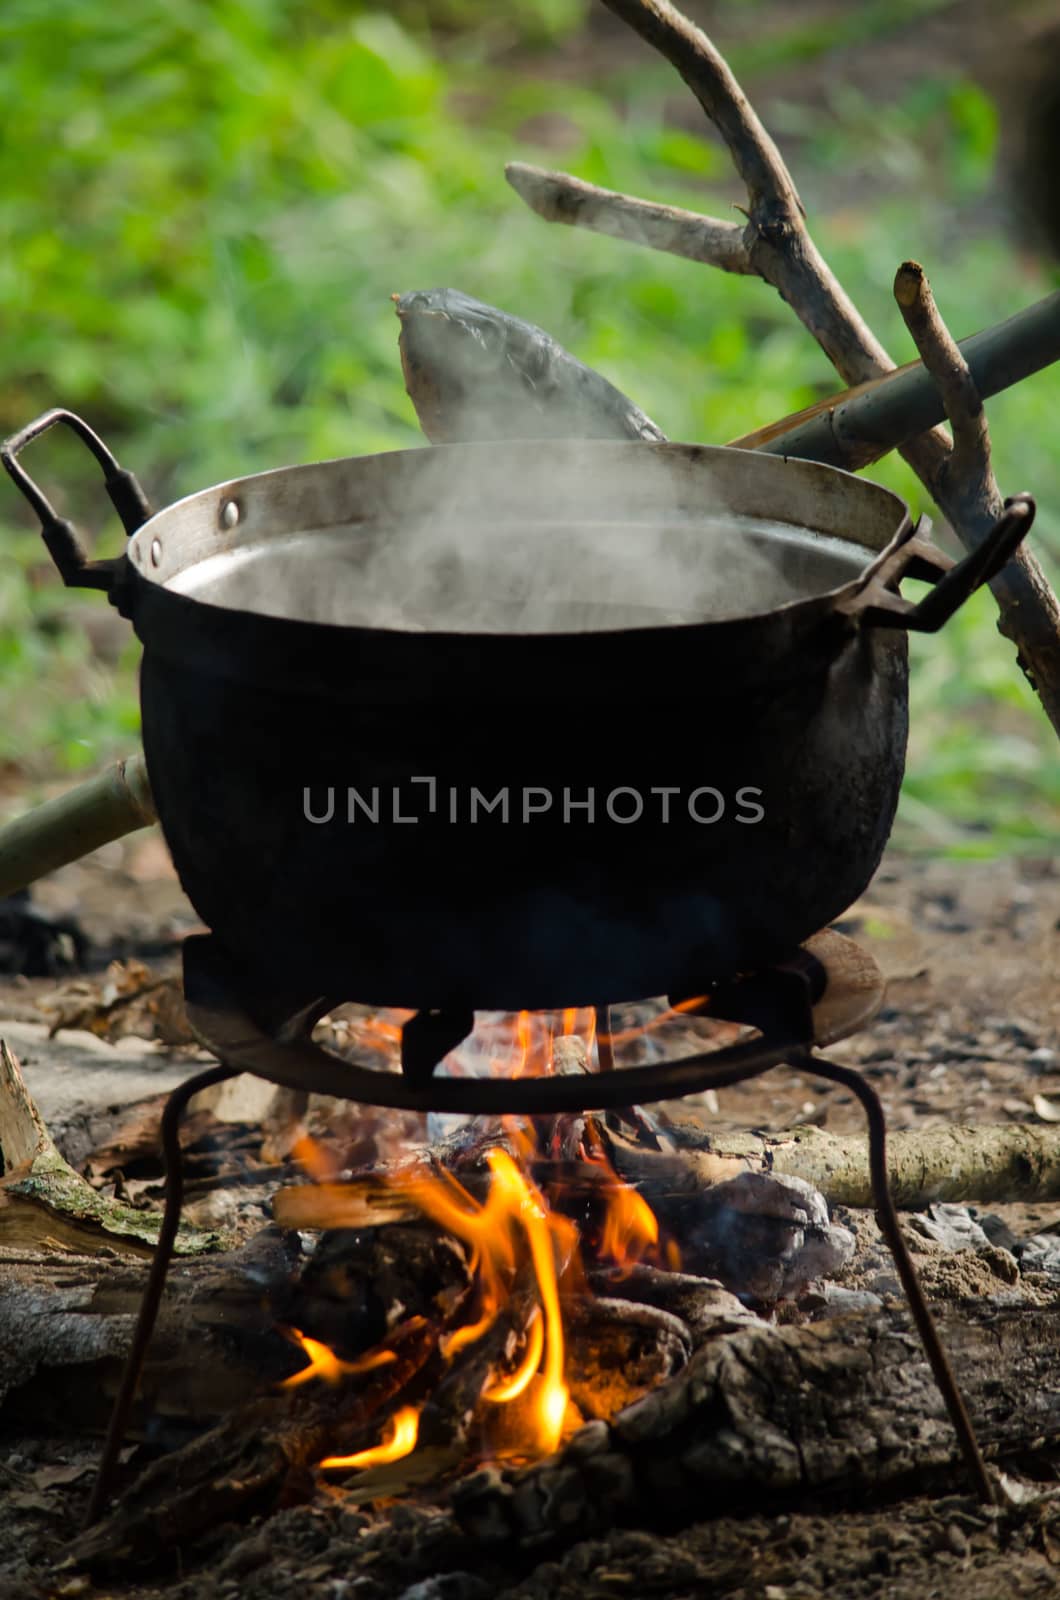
{"x":116,"y":802}
{"x":856,"y":427}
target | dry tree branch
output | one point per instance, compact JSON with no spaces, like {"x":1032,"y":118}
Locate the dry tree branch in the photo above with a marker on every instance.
{"x":557,"y":197}
{"x":781,"y":251}
{"x":778,"y":244}
{"x":968,"y":468}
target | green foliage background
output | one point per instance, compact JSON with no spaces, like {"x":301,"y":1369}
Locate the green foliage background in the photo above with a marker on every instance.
{"x":207,"y":204}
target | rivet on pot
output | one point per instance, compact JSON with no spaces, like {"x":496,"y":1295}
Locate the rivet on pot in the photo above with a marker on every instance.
{"x":229,"y":514}
{"x":156,"y":552}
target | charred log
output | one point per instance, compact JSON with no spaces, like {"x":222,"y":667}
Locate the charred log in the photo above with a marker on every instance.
{"x":845,"y":1408}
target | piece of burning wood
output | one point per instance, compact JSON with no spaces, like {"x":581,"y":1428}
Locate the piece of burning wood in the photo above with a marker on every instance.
{"x":359,"y":1284}
{"x":1004,"y":1162}
{"x":455,"y":1403}
{"x":43,"y":1201}
{"x":259,"y":1452}
{"x":702,"y":1305}
{"x":619,"y":1350}
{"x":767,"y":1413}
{"x":225,"y":1323}
{"x":476,"y":373}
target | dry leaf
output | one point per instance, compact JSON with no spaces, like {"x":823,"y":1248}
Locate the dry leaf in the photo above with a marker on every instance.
{"x":51,"y":1477}
{"x":130,"y":1000}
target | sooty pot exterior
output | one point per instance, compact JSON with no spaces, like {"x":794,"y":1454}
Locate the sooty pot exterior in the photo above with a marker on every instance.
{"x":556,"y":909}
{"x":742,"y":774}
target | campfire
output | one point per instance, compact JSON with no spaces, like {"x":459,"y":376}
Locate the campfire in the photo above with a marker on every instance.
{"x":543,"y":1222}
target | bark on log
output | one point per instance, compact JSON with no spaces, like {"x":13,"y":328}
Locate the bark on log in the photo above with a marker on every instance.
{"x":769,"y":1413}
{"x":44,"y":1202}
{"x":999,"y":1162}
{"x":242,"y":1466}
{"x":66,"y":1322}
{"x":1002,"y":1162}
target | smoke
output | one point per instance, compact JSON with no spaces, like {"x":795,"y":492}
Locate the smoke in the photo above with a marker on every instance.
{"x":525,"y":537}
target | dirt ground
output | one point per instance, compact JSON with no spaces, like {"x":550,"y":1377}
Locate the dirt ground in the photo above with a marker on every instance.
{"x":970,"y":1031}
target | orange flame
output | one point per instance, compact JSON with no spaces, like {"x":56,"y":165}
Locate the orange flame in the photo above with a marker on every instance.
{"x":399,"y":1439}
{"x":321,"y":1164}
{"x":630,"y":1227}
{"x":511,"y":1236}
{"x":512,"y":1386}
{"x":514,"y":1206}
{"x":683,"y":1008}
{"x":325,"y":1364}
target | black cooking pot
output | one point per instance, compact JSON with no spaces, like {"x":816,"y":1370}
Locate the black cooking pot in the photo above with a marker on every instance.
{"x":665,"y":746}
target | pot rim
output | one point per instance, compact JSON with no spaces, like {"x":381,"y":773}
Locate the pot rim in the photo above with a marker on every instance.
{"x":200,"y":519}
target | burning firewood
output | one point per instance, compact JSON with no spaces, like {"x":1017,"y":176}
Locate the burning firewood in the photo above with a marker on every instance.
{"x":769,"y":1413}
{"x":758,"y":1411}
{"x":257,"y":1452}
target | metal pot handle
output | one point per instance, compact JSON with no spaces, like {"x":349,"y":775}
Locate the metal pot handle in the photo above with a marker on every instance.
{"x":877,"y":605}
{"x":60,"y":535}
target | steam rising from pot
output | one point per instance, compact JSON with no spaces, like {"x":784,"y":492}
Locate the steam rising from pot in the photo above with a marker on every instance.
{"x":523,"y":537}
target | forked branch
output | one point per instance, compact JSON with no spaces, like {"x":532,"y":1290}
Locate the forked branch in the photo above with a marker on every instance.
{"x":967,"y":471}
{"x":557,"y":197}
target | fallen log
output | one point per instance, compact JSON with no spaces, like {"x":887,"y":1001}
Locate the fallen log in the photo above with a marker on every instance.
{"x":767,"y":1414}
{"x":1001,"y":1162}
{"x":225,"y":1323}
{"x":762,"y":1414}
{"x":45,"y":1203}
{"x":66,"y":1323}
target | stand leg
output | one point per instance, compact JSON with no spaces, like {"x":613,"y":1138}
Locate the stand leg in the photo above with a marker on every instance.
{"x":604,"y":1047}
{"x":887,"y":1217}
{"x":176,"y":1105}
